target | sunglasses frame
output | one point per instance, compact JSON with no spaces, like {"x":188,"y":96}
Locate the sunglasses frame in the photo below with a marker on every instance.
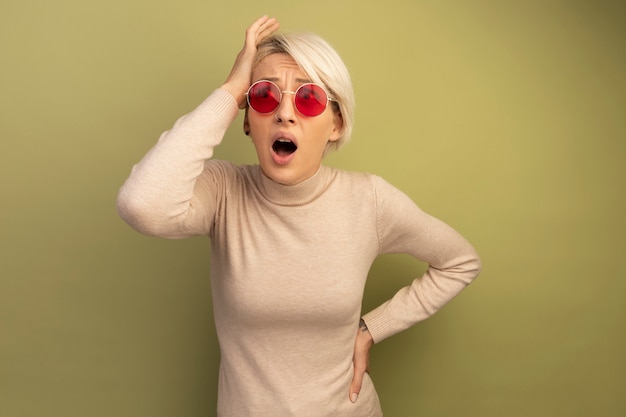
{"x":280,"y":97}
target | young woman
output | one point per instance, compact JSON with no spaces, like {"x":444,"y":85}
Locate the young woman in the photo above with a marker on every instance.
{"x":292,"y":240}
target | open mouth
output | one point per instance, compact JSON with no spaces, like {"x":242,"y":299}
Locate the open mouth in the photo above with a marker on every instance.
{"x":284,"y":147}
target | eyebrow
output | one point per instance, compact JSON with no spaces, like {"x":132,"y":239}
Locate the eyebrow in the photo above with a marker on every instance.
{"x":274,"y":79}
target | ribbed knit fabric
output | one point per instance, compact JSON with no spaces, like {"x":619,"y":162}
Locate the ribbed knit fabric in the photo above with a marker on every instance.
{"x":289,"y":264}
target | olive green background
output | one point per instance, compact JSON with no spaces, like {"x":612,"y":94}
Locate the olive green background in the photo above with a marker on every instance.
{"x":506,"y":119}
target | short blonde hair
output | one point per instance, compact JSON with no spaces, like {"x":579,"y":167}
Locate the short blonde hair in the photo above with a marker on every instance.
{"x":323,"y":65}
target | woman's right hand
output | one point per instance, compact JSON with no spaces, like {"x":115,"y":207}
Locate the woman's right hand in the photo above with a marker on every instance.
{"x":238,"y":80}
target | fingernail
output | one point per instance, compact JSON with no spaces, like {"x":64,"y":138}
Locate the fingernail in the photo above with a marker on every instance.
{"x":354,"y":396}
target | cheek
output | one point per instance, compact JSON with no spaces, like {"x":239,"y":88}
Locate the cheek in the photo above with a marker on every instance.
{"x":327,"y":127}
{"x":258,"y":122}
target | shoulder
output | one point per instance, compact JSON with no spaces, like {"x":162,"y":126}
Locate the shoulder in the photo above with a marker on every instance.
{"x":222,"y":176}
{"x":372,"y":191}
{"x":366,"y":182}
{"x":225,"y":171}
{"x":219,"y":168}
{"x":389,"y":201}
{"x":361,"y":180}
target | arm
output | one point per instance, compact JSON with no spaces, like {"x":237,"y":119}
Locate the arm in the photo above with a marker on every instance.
{"x":452,"y":262}
{"x":163,"y":195}
{"x":160,"y":196}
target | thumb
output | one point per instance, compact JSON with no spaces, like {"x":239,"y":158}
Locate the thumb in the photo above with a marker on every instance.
{"x":360,"y":360}
{"x":357,"y":381}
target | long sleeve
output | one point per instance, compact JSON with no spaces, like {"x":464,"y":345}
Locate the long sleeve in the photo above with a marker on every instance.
{"x":452,"y":262}
{"x":161,"y":196}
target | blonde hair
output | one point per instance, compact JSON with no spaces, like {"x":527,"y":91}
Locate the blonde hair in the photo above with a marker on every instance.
{"x":322,"y":65}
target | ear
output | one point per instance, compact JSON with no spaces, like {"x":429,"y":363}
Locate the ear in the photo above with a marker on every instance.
{"x":246,"y":123}
{"x":337,"y":131}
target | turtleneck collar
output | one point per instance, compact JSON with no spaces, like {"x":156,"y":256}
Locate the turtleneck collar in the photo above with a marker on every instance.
{"x":293,"y":195}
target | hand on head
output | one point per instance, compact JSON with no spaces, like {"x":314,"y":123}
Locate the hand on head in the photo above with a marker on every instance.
{"x":238,"y":80}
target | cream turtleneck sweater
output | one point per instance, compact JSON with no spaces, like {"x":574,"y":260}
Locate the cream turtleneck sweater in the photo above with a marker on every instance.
{"x":289,"y":264}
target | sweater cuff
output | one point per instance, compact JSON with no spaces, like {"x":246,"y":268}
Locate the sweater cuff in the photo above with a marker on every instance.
{"x":378,"y":323}
{"x":224,"y":104}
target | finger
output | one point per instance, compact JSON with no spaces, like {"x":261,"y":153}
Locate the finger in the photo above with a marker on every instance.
{"x":357,"y":382}
{"x":263,"y":23}
{"x":267,"y":28}
{"x":258,"y":23}
{"x":261,"y":28}
{"x":252,"y":32}
{"x":360,"y":362}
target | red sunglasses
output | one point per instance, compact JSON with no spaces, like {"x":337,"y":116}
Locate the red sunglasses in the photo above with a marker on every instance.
{"x":265,"y":97}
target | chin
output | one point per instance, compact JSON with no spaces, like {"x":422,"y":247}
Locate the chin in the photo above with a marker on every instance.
{"x":279,"y":175}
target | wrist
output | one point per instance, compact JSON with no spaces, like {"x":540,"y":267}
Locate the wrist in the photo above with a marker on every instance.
{"x":363,"y":326}
{"x":238,"y":94}
{"x":364,"y":332}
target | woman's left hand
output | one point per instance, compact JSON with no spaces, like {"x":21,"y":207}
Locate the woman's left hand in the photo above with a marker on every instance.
{"x":361,"y":360}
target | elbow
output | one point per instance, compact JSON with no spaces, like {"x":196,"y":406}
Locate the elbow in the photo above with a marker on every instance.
{"x":474,"y":266}
{"x":136,"y":213}
{"x":148,"y":216}
{"x":468,"y":268}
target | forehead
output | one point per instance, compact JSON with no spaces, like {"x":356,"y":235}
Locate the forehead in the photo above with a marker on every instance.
{"x":277,"y":65}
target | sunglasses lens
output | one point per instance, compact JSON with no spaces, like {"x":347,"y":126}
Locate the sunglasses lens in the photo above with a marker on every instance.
{"x":264,"y":97}
{"x":311,"y":100}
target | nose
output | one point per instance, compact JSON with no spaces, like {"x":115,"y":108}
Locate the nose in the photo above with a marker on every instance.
{"x":286,"y":110}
